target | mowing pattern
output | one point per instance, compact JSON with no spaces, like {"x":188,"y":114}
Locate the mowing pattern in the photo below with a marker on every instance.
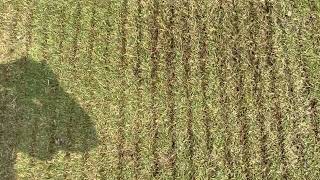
{"x":180,"y":89}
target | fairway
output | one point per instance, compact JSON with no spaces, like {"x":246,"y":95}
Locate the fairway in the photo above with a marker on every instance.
{"x":151,"y":89}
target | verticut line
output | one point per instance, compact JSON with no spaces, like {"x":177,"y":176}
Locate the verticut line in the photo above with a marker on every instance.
{"x":203,"y":63}
{"x":107,"y":39}
{"x":6,"y":160}
{"x":93,"y":30}
{"x":45,"y":58}
{"x":171,"y":79}
{"x":13,"y":27}
{"x":29,"y":26}
{"x":77,"y":26}
{"x":45,"y":36}
{"x":306,"y":89}
{"x":240,"y":93}
{"x":315,"y":22}
{"x":314,"y":115}
{"x":137,"y":73}
{"x":35,"y":126}
{"x":287,"y":64}
{"x":224,"y":101}
{"x":257,"y":89}
{"x":73,"y":58}
{"x":276,"y":109}
{"x":303,"y":64}
{"x":62,"y":32}
{"x":154,"y":83}
{"x":186,"y":43}
{"x":92,"y":37}
{"x":106,"y":56}
{"x":122,"y":104}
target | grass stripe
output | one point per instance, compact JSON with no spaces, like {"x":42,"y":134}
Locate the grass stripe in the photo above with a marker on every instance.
{"x":314,"y":23}
{"x":122,"y":101}
{"x":170,"y":73}
{"x":258,"y":89}
{"x":240,"y":93}
{"x":154,"y":83}
{"x":303,"y":63}
{"x":291,"y":90}
{"x":292,"y":108}
{"x":107,"y":34}
{"x":138,"y":78}
{"x":203,"y":63}
{"x":224,"y":100}
{"x":186,"y":56}
{"x":107,"y":30}
{"x":276,"y":109}
{"x":203,"y":54}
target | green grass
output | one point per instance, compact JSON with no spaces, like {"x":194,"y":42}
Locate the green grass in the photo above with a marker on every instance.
{"x":158,"y":90}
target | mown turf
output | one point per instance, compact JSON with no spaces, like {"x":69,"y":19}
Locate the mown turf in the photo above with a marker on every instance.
{"x":159,"y":89}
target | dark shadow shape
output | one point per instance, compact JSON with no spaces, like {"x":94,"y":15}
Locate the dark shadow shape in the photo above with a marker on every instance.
{"x":37,"y":116}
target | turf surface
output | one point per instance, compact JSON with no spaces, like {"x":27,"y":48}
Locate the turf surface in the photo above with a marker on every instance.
{"x":159,"y":89}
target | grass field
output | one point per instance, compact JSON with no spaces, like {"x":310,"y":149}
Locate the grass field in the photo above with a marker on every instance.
{"x":150,"y":89}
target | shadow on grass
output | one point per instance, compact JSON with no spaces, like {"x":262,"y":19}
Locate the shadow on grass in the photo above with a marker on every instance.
{"x":37,"y":116}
